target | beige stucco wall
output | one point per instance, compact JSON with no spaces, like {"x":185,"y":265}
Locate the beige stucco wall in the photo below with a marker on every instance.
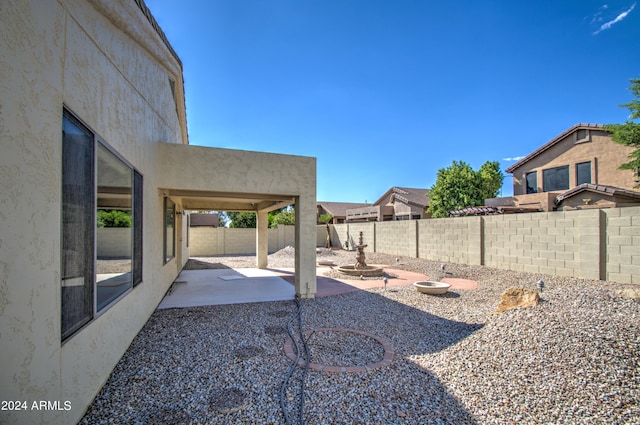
{"x":66,"y":53}
{"x":605,"y":156}
{"x":594,"y":244}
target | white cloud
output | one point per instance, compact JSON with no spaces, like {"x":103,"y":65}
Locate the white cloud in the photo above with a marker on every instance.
{"x":617,"y":19}
{"x":597,"y":17}
{"x":515,"y":158}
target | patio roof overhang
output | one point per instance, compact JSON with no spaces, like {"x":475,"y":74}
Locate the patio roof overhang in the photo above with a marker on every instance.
{"x":229,"y":201}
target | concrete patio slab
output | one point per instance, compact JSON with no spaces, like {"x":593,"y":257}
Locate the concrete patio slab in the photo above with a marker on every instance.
{"x":193,"y":288}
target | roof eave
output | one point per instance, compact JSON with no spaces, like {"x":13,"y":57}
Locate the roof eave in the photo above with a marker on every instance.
{"x":551,"y":143}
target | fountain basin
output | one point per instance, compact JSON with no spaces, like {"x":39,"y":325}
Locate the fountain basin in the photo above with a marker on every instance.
{"x":366,"y":271}
{"x":431,"y":287}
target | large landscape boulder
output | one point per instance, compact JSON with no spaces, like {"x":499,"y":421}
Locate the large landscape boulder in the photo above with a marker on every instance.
{"x":517,"y":298}
{"x":632,"y":293}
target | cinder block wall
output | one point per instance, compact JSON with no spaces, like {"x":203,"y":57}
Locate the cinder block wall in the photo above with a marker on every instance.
{"x":368,"y":236}
{"x":546,"y":243}
{"x":623,"y":244}
{"x":113,"y":242}
{"x":601,"y":244}
{"x":397,"y":237}
{"x":444,"y":239}
{"x":208,"y":241}
{"x":205,"y":241}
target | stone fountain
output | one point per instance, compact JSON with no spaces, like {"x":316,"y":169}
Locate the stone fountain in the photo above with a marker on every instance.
{"x":360,"y":268}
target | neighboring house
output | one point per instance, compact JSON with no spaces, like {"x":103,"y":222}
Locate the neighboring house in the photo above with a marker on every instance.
{"x":398,"y":203}
{"x":577,"y":169}
{"x":93,"y":117}
{"x":204,"y":220}
{"x":337,"y":209}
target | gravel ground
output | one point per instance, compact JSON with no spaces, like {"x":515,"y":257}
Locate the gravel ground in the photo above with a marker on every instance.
{"x":573,"y":359}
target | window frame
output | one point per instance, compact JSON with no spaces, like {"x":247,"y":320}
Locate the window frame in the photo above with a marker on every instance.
{"x":546,"y":178}
{"x":588,"y":163}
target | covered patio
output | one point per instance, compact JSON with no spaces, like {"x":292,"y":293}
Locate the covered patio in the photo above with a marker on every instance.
{"x":202,"y":178}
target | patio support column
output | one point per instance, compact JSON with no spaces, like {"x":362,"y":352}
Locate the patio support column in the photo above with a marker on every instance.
{"x":306,"y":240}
{"x":262,"y":238}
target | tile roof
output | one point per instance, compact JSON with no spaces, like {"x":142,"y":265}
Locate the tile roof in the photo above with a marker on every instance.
{"x":602,"y":189}
{"x":551,"y":143}
{"x":339,"y":209}
{"x":408,"y":195}
{"x":484,"y":210}
{"x":147,"y":13}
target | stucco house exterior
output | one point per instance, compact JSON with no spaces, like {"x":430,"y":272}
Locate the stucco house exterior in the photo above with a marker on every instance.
{"x":93,"y":118}
{"x":577,"y":169}
{"x":397,"y":203}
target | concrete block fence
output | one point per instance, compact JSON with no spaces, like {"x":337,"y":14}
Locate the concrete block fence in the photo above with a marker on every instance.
{"x":601,"y":244}
{"x":209,"y":241}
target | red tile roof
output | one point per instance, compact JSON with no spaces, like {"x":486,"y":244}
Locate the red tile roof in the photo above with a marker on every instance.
{"x":602,"y":189}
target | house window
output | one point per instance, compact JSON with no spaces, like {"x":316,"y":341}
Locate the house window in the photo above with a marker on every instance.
{"x":101,"y":226}
{"x":583,"y":173}
{"x":169,"y":229}
{"x":532,"y":182}
{"x":555,"y":179}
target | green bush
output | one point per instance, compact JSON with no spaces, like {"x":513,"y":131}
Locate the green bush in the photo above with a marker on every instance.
{"x":114,"y":218}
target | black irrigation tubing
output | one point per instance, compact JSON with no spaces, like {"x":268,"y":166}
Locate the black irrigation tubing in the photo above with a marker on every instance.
{"x":294,"y":364}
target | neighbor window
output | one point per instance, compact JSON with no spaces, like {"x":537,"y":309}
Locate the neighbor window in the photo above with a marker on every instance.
{"x":532,"y":182}
{"x":169,"y":229}
{"x":555,"y":179}
{"x":583,"y":173}
{"x":101,"y":226}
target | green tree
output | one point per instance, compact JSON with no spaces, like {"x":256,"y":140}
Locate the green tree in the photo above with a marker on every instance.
{"x":247,"y":219}
{"x":286,"y":217}
{"x":459,"y":186}
{"x":490,"y":179}
{"x":628,"y":134}
{"x":113,"y":218}
{"x":242,"y":220}
{"x":325,"y":218}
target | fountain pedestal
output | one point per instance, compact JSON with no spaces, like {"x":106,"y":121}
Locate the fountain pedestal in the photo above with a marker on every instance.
{"x":360,"y":268}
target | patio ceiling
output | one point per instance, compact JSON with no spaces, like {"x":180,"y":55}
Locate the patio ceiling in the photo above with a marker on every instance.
{"x":229,"y":201}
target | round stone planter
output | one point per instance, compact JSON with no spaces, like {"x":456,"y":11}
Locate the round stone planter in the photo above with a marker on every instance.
{"x":432,"y":288}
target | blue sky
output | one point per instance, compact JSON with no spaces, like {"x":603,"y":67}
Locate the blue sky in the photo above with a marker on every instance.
{"x":385,"y":93}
